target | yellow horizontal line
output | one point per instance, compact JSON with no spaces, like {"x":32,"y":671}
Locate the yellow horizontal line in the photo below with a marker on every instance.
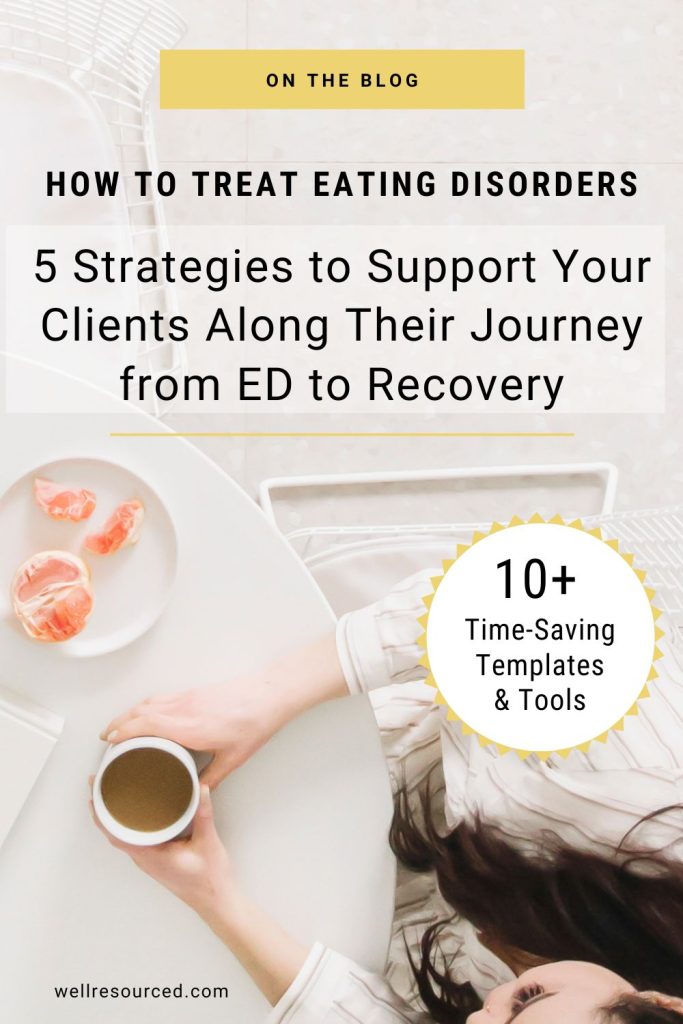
{"x":340,"y":433}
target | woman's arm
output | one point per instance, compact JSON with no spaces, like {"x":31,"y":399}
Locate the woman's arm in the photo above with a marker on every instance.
{"x":317,"y":984}
{"x":266,"y":951}
{"x":233,"y":720}
{"x":197,"y":870}
{"x":373,"y":647}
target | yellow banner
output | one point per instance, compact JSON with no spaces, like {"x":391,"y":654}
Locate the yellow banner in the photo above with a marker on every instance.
{"x":342,"y":79}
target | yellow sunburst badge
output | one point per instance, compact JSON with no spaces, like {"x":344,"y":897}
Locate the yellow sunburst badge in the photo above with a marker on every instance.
{"x":540,"y":636}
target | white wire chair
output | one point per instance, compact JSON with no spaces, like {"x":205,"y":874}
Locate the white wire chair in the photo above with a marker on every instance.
{"x":356,"y":564}
{"x":110,"y":50}
{"x":336,"y":553}
{"x":309,"y":541}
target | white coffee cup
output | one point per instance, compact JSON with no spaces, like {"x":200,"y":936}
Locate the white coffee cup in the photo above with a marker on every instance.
{"x":130,"y":835}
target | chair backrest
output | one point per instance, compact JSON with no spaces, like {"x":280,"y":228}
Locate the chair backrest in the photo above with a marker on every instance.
{"x":356,"y":564}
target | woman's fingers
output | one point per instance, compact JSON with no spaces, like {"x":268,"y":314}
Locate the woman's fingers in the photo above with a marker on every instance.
{"x":148,"y":723}
{"x":117,"y":722}
{"x":210,"y":775}
{"x":203,"y":826}
{"x":216,"y":770}
{"x":165,"y":700}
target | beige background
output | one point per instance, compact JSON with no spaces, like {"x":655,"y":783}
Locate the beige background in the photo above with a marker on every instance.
{"x":603,"y":89}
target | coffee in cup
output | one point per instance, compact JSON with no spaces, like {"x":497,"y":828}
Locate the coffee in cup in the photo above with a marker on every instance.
{"x":146,"y":790}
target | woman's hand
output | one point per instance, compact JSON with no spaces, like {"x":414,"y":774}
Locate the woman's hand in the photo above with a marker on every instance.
{"x":229,"y":721}
{"x":196,"y":870}
{"x":233,"y":720}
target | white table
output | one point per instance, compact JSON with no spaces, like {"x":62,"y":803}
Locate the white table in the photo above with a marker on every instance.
{"x":305,"y":821}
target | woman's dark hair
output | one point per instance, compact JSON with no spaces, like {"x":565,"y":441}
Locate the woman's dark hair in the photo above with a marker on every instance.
{"x":550,"y":902}
{"x":634,"y":1010}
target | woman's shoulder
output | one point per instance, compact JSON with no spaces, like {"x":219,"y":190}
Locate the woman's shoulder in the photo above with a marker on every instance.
{"x":580,"y":801}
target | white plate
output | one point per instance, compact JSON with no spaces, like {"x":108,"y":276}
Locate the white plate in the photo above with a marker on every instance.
{"x":131,"y":586}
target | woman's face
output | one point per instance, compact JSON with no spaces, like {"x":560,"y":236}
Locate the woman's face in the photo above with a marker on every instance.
{"x":570,"y":991}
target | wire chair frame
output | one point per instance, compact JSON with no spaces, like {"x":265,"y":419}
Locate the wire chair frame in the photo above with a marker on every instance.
{"x":109,"y":49}
{"x":653,"y":536}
